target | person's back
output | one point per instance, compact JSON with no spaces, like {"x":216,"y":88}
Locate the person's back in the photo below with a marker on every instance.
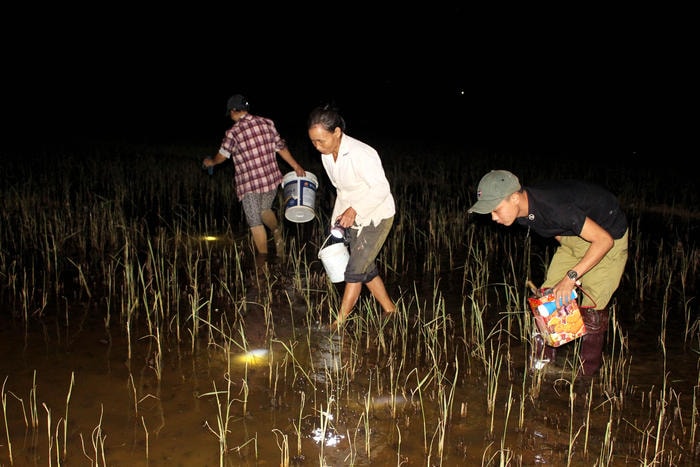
{"x":560,"y":207}
{"x":253,"y":143}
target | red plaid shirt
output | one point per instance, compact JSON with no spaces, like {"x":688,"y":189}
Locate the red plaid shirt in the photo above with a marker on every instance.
{"x":253,"y":143}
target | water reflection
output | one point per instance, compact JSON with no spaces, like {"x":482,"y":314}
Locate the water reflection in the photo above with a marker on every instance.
{"x":253,"y":357}
{"x":326,"y":434}
{"x":326,"y":356}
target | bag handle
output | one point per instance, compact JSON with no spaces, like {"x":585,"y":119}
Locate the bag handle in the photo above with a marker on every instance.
{"x":587,"y":295}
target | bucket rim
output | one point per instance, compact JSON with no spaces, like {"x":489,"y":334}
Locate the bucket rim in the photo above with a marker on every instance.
{"x":332,"y":247}
{"x":293,"y":176}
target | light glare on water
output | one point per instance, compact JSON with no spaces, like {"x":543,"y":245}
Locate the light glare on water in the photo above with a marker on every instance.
{"x":253,"y":357}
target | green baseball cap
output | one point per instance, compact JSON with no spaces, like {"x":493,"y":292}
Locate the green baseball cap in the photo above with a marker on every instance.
{"x":493,"y":188}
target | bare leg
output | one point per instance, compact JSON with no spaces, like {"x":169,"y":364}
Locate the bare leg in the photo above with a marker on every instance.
{"x":350,"y":296}
{"x":352,"y":293}
{"x":376,"y":287}
{"x":270,"y":220}
{"x":259,"y":238}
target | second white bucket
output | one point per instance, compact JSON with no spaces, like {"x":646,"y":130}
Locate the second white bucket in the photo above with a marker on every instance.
{"x":335,"y":259}
{"x":299,"y":197}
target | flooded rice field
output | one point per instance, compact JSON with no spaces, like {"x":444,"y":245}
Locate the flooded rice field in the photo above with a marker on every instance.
{"x":136,"y":328}
{"x":269,"y":385}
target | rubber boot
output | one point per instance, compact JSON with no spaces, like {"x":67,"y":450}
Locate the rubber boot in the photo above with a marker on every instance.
{"x":596,"y":322}
{"x":541,"y":352}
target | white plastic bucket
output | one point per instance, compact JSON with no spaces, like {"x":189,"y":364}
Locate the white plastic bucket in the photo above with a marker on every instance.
{"x":299,"y":196}
{"x":335,"y":259}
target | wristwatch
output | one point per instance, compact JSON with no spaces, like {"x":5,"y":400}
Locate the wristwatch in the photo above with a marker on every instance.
{"x":573,"y":275}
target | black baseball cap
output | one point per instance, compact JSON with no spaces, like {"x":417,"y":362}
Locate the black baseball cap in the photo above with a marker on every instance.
{"x":237,"y":102}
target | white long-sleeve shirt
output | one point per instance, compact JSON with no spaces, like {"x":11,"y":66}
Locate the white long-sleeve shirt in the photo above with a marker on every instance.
{"x":359,"y":179}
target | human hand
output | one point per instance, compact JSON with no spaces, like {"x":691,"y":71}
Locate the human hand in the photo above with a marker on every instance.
{"x":208,"y":165}
{"x":347,"y":218}
{"x":564,"y":292}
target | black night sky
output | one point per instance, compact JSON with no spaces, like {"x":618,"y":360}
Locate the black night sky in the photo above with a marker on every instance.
{"x":531,"y":79}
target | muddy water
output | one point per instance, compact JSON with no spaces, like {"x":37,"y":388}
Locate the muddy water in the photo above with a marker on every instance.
{"x":414,"y":390}
{"x":76,"y":393}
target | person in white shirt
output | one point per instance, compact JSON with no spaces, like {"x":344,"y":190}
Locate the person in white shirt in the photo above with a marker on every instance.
{"x":364,"y":205}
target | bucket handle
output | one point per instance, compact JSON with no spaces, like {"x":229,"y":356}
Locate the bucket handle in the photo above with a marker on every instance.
{"x":325,"y":241}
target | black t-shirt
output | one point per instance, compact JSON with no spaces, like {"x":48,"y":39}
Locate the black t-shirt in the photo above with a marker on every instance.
{"x":561,"y":207}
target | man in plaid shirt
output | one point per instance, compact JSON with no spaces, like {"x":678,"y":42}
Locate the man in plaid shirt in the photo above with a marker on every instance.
{"x":253,"y":144}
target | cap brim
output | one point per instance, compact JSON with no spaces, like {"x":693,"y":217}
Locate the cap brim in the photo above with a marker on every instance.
{"x":484,"y":206}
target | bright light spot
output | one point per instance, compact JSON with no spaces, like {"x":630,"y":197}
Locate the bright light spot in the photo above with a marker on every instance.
{"x":253,"y":357}
{"x":331,"y":439}
{"x":210,"y":238}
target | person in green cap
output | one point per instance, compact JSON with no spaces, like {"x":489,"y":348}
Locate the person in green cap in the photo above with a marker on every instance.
{"x":592,"y":232}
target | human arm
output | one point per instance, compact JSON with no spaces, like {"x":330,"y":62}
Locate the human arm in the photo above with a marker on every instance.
{"x":600,"y":244}
{"x":286,"y":154}
{"x":212,"y":161}
{"x":368,"y":192}
{"x":361,"y":184}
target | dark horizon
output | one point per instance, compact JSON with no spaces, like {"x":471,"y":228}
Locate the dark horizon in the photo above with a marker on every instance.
{"x":425,"y":111}
{"x":444,"y":74}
